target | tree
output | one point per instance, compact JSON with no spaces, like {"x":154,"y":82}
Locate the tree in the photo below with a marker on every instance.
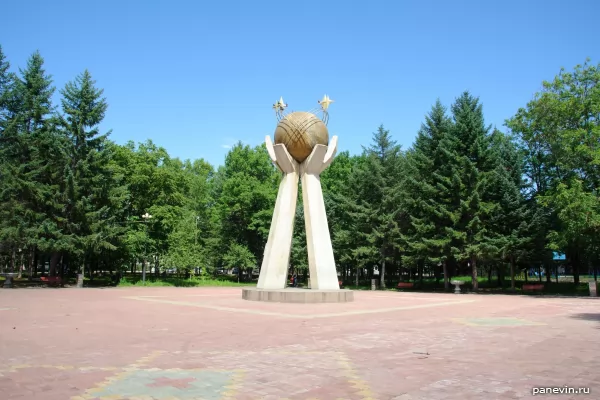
{"x":559,"y":131}
{"x":472,"y":164}
{"x":578,"y":213}
{"x":512,"y":221}
{"x":427,"y":194}
{"x":32,"y":159}
{"x":337,"y":191}
{"x":93,"y":195}
{"x":240,"y":257}
{"x":376,"y":182}
{"x":7,"y":87}
{"x":246,"y":198}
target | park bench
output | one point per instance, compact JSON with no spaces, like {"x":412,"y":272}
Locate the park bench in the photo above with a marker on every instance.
{"x":405,"y":285}
{"x":51,"y":280}
{"x":533,"y":287}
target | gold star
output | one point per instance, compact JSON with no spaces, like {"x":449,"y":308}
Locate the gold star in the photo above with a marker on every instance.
{"x":325,"y":102}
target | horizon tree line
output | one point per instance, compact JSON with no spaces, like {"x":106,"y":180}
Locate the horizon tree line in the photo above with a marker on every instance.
{"x":465,"y":198}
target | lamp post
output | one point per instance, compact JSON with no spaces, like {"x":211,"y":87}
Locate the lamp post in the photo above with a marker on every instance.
{"x":146,"y":217}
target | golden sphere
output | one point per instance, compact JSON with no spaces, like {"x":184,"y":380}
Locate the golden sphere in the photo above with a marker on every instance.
{"x":300,"y":132}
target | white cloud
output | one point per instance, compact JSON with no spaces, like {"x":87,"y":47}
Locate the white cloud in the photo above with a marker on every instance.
{"x":226,"y":146}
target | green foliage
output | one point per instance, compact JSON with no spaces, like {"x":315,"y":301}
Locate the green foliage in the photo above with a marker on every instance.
{"x":376,"y":180}
{"x":462,"y":196}
{"x":559,"y":132}
{"x":428,"y":192}
{"x":179,"y":282}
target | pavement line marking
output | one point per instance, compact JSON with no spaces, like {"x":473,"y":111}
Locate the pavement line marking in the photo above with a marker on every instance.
{"x":15,"y":368}
{"x":384,"y":310}
{"x":300,"y":316}
{"x":125,"y":371}
{"x":234,"y":385}
{"x":351,"y":375}
{"x":193,"y":295}
{"x":406,"y":297}
{"x":519,"y":322}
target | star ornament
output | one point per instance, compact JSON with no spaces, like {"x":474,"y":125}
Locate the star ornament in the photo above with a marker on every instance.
{"x":279,"y":105}
{"x":325,"y":102}
{"x":282,"y":103}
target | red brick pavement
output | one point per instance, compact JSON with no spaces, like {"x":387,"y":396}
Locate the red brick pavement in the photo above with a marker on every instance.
{"x":101,"y":343}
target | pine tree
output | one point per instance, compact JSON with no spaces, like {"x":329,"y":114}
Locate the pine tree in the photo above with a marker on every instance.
{"x":426,"y":195}
{"x":511,"y":222}
{"x":8,"y":148}
{"x":376,"y":184}
{"x":31,"y":163}
{"x":472,"y":163}
{"x":93,"y":194}
{"x":7,"y":86}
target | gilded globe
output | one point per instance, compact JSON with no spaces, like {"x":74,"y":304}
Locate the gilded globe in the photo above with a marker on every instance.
{"x":300,"y":132}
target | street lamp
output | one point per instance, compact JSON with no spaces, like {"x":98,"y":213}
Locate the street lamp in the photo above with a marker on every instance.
{"x":146,"y":217}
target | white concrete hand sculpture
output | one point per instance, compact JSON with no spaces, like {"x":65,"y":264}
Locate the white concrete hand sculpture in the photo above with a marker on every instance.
{"x":274,"y":269}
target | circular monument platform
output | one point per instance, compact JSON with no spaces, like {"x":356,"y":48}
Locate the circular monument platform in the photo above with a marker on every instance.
{"x":295,"y":295}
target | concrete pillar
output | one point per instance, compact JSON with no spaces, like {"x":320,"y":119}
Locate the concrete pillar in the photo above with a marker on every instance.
{"x":276,"y":257}
{"x":321,"y":263}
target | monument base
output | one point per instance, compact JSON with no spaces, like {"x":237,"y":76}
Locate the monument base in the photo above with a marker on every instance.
{"x":294,"y":295}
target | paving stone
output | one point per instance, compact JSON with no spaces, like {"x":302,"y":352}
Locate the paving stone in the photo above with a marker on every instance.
{"x":180,"y":344}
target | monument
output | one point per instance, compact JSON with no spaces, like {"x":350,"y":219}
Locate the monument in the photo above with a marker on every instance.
{"x":302,"y":150}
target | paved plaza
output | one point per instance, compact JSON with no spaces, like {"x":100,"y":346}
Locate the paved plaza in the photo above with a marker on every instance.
{"x":208,"y":343}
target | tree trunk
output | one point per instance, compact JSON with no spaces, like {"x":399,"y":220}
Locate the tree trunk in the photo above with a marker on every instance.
{"x":382,"y":274}
{"x":144,"y":269}
{"x":489,"y":274}
{"x":36,"y":260}
{"x":12,"y":260}
{"x":474,"y":272}
{"x":540,"y":273}
{"x":53,"y":261}
{"x":548,"y":269}
{"x":31,"y":261}
{"x":576,"y":262}
{"x":356,"y":278}
{"x":61,"y":269}
{"x":445,"y":271}
{"x":500,"y":274}
{"x":21,"y":265}
{"x":512,"y":273}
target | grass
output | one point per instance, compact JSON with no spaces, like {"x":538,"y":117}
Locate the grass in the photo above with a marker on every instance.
{"x":182,"y":282}
{"x":565,"y":288}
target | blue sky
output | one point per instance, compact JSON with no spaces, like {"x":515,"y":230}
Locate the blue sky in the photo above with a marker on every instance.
{"x":197,"y":76}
